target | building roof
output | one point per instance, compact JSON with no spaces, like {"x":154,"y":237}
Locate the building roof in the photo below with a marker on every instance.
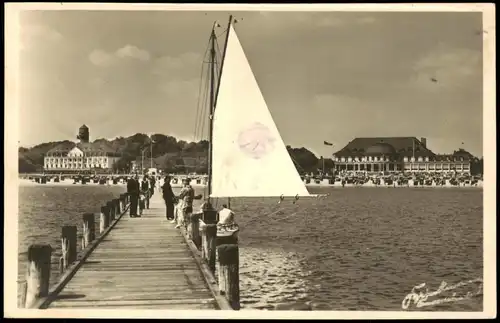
{"x":401,"y":146}
{"x":84,"y":127}
{"x":463,"y":153}
{"x":98,"y":147}
{"x":381,"y":148}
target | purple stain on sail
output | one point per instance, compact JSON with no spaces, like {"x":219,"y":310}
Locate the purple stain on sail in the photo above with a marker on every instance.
{"x":256,"y":141}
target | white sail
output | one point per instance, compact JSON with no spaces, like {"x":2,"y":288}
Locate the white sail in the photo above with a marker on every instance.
{"x":249,"y":158}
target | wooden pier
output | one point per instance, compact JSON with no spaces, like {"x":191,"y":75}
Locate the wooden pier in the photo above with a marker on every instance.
{"x":142,"y":263}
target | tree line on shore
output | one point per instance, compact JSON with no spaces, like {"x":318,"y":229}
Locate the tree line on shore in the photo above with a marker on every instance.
{"x":168,"y":153}
{"x":173,"y":155}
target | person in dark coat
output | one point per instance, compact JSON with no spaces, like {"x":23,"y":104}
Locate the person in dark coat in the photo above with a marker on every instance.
{"x":169,"y":198}
{"x":152,"y":185}
{"x":133,"y":191}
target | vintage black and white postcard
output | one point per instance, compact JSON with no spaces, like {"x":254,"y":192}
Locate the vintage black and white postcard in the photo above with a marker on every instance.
{"x":267,"y":161}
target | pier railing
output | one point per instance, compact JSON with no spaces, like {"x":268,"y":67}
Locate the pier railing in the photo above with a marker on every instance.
{"x":35,"y":291}
{"x":200,"y":232}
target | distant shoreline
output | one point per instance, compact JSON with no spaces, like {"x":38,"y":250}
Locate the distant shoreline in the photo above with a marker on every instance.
{"x":70,"y":182}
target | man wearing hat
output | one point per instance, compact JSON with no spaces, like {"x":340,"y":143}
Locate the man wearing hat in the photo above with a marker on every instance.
{"x":133,"y":191}
{"x":169,"y":198}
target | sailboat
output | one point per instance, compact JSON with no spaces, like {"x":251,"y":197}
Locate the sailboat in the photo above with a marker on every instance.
{"x":247,"y":156}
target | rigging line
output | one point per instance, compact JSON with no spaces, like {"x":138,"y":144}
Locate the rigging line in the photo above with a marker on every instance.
{"x":219,"y":59}
{"x":200,"y":85}
{"x":198,"y":103}
{"x":222,"y":62}
{"x":204,"y":114}
{"x":217,"y":47}
{"x":222,"y":33}
{"x":198,"y":116}
{"x":201,"y":120}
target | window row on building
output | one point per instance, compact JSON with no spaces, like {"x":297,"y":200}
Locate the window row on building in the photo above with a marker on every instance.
{"x":65,"y":160}
{"x":405,"y":159}
{"x":74,"y":166}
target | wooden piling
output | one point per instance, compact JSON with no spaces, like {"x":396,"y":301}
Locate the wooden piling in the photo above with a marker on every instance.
{"x":68,"y":237}
{"x":229,"y":273}
{"x":88,"y":229}
{"x":104,"y":219}
{"x":194,"y":229}
{"x":210,"y":215}
{"x":38,"y":273}
{"x":111,"y":208}
{"x":123,"y":206}
{"x":116,"y":204}
{"x":210,"y":251}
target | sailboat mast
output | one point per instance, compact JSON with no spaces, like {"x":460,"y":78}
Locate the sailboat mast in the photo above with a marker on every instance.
{"x":222,"y":65}
{"x":212,"y":106}
{"x":213,"y":99}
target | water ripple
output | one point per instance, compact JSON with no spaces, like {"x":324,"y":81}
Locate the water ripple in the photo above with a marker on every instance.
{"x":359,"y":249}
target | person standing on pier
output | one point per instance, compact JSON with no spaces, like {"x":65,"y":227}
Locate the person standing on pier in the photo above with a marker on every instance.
{"x":186,"y":197}
{"x":133,"y":191}
{"x":169,"y":198}
{"x":145,"y":190}
{"x":152,"y":185}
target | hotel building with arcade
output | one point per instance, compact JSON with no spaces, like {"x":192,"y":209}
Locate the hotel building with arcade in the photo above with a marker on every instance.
{"x":398,"y":154}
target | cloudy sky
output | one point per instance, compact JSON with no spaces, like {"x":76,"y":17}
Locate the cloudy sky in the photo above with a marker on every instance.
{"x":325,"y":76}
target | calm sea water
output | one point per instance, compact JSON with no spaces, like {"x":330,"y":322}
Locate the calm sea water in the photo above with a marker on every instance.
{"x":356,"y":249}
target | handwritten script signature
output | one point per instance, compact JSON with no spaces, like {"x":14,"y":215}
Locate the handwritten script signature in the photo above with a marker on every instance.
{"x":420,"y":294}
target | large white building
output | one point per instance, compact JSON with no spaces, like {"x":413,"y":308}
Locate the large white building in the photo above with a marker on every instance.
{"x":399,"y":154}
{"x":81,"y":156}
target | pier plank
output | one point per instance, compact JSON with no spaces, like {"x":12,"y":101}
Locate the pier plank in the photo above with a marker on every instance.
{"x":142,"y":263}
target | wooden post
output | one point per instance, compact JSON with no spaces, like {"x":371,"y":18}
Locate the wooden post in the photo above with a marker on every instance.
{"x":204,"y":243}
{"x":88,"y":229}
{"x":104,"y":220}
{"x":210,"y":249}
{"x":194,"y":228}
{"x":111,"y":208}
{"x":229,"y":273}
{"x":123,"y":205}
{"x":117,"y":207}
{"x":68,"y":238}
{"x":38,"y":274}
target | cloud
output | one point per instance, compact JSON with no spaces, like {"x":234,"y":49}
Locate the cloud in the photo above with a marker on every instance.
{"x":130,"y":51}
{"x":168,"y":64}
{"x":100,"y":58}
{"x":450,"y":67}
{"x":38,"y":34}
{"x":181,"y":88}
{"x":103,"y":58}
